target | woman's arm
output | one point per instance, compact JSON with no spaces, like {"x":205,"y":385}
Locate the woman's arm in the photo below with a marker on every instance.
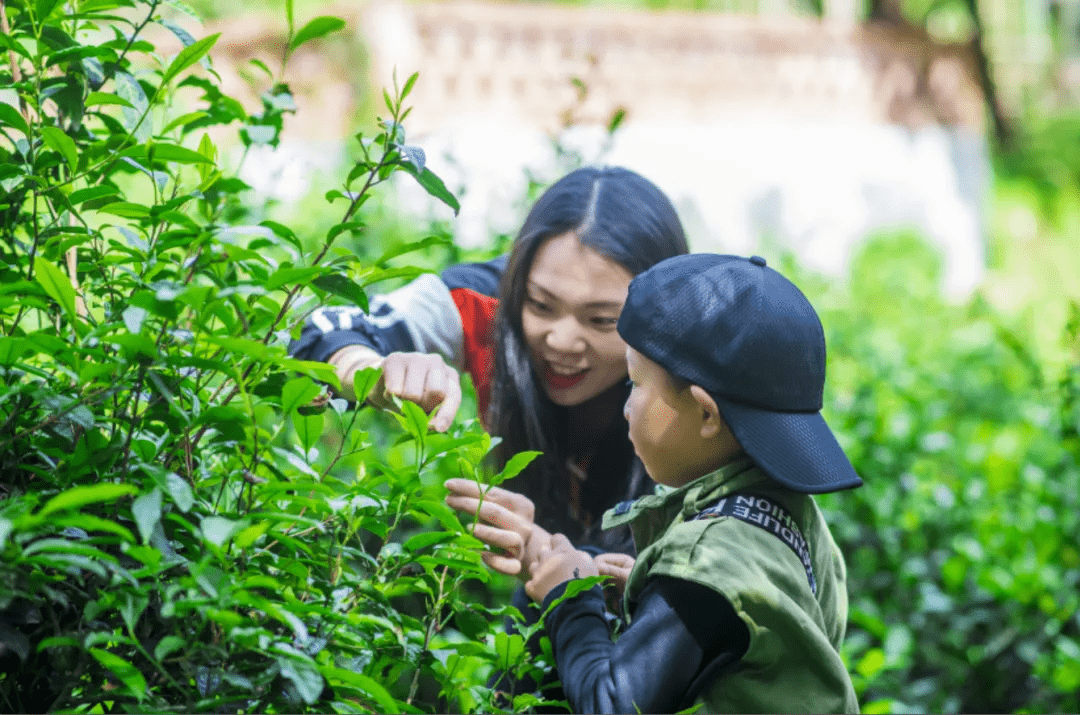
{"x":416,"y":334}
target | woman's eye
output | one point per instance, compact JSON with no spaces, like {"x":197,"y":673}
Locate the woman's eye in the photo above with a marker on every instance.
{"x":604,"y":322}
{"x":537,"y":305}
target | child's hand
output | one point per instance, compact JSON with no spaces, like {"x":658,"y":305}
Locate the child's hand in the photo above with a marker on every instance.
{"x":617,"y":566}
{"x":557,"y":563}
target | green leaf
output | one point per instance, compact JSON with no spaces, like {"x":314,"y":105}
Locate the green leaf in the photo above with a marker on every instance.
{"x":616,"y":120}
{"x":166,"y":646}
{"x":408,"y":86}
{"x":126,"y":209}
{"x":344,"y":287}
{"x":45,"y":8}
{"x":514,"y":466}
{"x":422,"y":541}
{"x":90,"y":193}
{"x":509,"y":649}
{"x":147,"y":512}
{"x":309,"y":428}
{"x":78,"y":497}
{"x":9,"y":116}
{"x":189,"y":56}
{"x":88,"y":522}
{"x":364,"y":381}
{"x":248,"y":536}
{"x":12,"y":350}
{"x":290,"y":17}
{"x":317,"y":27}
{"x":414,"y":246}
{"x":292,"y":276}
{"x":172,"y":152}
{"x":297,"y":393}
{"x":56,"y":284}
{"x":433,"y":185}
{"x":131,"y":608}
{"x":353,"y":227}
{"x":57,"y":140}
{"x":95,"y":98}
{"x":183,"y":120}
{"x":283,"y":231}
{"x":416,"y":421}
{"x":133,"y":318}
{"x":305,"y":676}
{"x":135,"y":120}
{"x":218,"y":530}
{"x":128,"y":674}
{"x":180,"y":491}
{"x":371,"y":688}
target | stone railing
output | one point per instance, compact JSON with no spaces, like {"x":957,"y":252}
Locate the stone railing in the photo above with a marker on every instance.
{"x":527,"y":63}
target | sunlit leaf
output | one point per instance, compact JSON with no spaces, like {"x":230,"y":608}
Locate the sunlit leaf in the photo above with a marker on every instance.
{"x":59,"y":141}
{"x":97,"y":98}
{"x":317,"y":27}
{"x":515,"y":465}
{"x":80,"y":496}
{"x":433,"y":185}
{"x":56,"y":284}
{"x":189,"y":56}
{"x":297,"y":393}
{"x":9,"y":116}
{"x":147,"y":512}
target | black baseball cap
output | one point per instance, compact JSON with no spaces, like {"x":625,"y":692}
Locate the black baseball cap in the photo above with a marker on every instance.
{"x":751,"y":339}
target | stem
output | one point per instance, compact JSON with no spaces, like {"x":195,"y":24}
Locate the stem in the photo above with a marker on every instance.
{"x":429,"y":633}
{"x":135,"y":33}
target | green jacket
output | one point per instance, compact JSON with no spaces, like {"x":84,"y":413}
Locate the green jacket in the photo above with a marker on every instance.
{"x":793,"y":662}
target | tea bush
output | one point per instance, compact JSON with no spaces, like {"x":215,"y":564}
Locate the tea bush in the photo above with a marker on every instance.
{"x":174,"y":536}
{"x":189,"y":523}
{"x":961,"y":547}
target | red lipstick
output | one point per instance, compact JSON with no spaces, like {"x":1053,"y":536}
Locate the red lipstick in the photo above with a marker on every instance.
{"x":562,"y":382}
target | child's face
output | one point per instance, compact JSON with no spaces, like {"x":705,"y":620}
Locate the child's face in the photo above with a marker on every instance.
{"x":662,"y":428}
{"x":572,"y":303}
{"x":678,"y":433}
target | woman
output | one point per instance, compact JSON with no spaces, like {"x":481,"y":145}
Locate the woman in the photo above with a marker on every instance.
{"x":536,"y":331}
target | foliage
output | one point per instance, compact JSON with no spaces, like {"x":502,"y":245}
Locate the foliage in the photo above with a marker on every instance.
{"x":174,"y":534}
{"x":961,"y":547}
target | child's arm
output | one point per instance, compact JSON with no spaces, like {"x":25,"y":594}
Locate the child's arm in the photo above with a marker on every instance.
{"x":679,"y":629}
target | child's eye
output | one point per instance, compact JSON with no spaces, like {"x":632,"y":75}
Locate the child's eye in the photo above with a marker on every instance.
{"x":604,"y":322}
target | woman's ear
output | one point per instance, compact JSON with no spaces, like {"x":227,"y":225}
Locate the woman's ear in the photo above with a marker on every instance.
{"x":712,"y":423}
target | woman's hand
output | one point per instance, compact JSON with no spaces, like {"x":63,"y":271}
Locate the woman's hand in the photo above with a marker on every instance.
{"x":417,"y":377}
{"x":506,"y":515}
{"x":557,"y":563}
{"x":618,"y":567}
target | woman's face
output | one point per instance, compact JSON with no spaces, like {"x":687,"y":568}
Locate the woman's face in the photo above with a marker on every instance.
{"x":572,"y":303}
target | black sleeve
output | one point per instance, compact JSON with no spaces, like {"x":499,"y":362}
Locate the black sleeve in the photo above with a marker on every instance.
{"x":680,"y":632}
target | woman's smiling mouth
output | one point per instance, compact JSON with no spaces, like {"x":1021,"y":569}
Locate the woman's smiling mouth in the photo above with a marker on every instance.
{"x":559,"y":377}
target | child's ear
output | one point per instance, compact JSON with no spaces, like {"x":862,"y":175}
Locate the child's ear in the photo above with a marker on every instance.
{"x":712,"y":423}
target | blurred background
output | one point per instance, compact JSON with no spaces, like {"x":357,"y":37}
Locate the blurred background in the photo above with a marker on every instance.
{"x":914,"y":165}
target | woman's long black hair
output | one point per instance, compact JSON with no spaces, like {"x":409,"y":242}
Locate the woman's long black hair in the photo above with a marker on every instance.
{"x":626,"y":218}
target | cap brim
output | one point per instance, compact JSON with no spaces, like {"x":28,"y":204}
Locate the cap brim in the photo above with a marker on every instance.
{"x":796,"y":449}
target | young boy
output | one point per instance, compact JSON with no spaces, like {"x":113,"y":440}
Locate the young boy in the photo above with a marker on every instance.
{"x":737,"y":600}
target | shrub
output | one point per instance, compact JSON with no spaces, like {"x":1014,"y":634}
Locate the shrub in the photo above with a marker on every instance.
{"x":174,"y":535}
